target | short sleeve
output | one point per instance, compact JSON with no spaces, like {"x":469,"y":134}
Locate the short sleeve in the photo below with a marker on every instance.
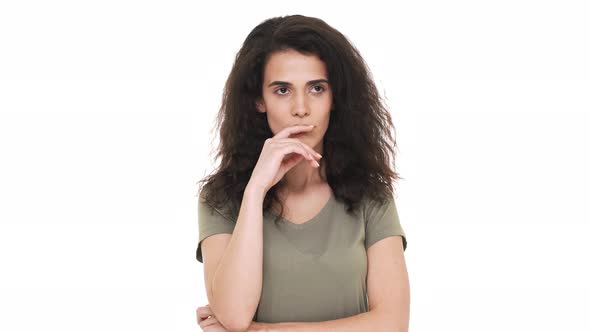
{"x":382,"y":221}
{"x":211,"y":222}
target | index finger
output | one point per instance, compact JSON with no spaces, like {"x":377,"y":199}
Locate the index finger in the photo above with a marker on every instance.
{"x":204,"y":312}
{"x":292,"y":130}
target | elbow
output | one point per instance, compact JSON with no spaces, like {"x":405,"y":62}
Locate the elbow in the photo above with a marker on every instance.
{"x":234,"y":316}
{"x":229,"y":318}
{"x":241,"y":325}
{"x":233,"y":323}
{"x":394,"y":326}
{"x":237,"y":327}
{"x":392,"y":323}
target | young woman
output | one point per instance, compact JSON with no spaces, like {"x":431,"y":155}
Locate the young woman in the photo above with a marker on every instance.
{"x":298,"y":227}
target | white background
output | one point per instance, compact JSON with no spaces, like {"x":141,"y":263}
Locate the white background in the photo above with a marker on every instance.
{"x":106,"y":112}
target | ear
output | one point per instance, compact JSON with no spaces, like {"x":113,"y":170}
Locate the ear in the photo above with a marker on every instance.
{"x":260,"y":106}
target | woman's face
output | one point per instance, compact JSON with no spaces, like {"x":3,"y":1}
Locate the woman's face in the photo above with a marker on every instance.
{"x":295,"y":91}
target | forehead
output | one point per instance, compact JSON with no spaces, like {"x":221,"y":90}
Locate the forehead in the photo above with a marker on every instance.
{"x":293,"y":66}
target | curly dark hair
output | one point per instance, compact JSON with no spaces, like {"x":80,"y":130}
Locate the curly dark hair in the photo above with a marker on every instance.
{"x":358,"y":149}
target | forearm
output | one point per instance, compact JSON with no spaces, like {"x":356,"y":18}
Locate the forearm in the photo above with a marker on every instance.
{"x":367,"y":321}
{"x":237,"y":283}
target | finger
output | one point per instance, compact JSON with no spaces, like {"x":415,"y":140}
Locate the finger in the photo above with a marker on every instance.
{"x":289,"y":147}
{"x":199,"y":319}
{"x":291,"y":162}
{"x":292,"y":130}
{"x":200,"y":315}
{"x":307,"y":147}
{"x":203,"y":313}
{"x":206,"y":311}
{"x":202,"y":318}
{"x":209,"y":321}
{"x":299,"y":149}
{"x":204,"y":322}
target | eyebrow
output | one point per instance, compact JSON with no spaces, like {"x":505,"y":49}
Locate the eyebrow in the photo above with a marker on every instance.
{"x":290,"y":84}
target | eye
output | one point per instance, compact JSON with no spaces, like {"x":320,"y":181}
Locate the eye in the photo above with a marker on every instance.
{"x":321,"y":87}
{"x":280,"y":94}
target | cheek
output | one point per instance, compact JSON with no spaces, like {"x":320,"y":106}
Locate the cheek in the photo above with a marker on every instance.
{"x":274,"y":122}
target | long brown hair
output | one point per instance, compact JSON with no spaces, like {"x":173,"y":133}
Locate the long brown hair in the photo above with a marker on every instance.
{"x":358,"y":150}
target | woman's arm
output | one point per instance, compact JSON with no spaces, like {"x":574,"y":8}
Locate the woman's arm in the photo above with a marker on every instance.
{"x":366,"y":321}
{"x":237,"y":283}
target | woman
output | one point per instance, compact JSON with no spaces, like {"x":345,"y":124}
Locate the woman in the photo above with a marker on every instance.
{"x":298,"y":223}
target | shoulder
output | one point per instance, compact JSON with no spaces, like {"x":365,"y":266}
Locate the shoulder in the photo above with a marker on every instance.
{"x":373,"y":207}
{"x":207,"y":208}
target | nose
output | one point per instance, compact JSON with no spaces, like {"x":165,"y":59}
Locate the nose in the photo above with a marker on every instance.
{"x":300,"y":108}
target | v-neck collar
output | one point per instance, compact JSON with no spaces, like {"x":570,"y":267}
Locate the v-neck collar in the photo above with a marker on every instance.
{"x":312,"y":221}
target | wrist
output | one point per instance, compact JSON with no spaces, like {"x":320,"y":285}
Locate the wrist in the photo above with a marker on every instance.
{"x":259,"y":327}
{"x":253,"y":189}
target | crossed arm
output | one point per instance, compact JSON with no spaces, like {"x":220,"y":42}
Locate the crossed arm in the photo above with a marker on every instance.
{"x":367,"y":321}
{"x":388,"y":292}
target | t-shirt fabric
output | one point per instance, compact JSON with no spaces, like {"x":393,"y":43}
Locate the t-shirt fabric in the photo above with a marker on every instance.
{"x":315,"y":271}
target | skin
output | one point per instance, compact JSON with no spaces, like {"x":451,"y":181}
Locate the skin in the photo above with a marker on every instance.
{"x":298,"y":103}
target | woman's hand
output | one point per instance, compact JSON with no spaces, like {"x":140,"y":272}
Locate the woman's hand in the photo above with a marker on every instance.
{"x":209,"y":323}
{"x":281,"y":153}
{"x":207,"y":320}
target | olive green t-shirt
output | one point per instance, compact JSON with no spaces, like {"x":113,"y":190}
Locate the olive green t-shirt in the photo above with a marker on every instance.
{"x":315,"y":271}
